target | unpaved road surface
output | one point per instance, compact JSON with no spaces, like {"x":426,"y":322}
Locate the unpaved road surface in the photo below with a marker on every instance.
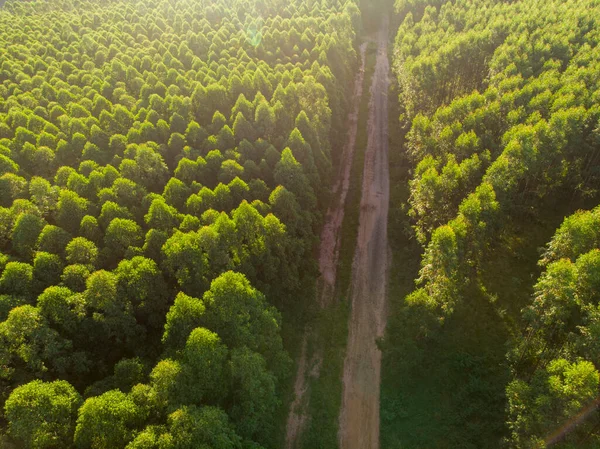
{"x":309,"y":366}
{"x":359,"y":414}
{"x":329,"y":250}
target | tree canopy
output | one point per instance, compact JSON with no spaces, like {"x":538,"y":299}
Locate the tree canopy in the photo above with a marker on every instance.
{"x":144,"y":271}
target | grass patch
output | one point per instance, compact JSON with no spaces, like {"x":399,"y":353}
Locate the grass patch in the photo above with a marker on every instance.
{"x":292,"y":331}
{"x":331,"y":332}
{"x":449,"y":391}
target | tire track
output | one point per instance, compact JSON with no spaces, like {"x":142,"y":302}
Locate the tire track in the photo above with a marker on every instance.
{"x":309,"y":366}
{"x":359,"y":414}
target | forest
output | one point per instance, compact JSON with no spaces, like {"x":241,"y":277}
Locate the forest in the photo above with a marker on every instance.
{"x":163,"y":171}
{"x":168,"y":169}
{"x":497,"y":344}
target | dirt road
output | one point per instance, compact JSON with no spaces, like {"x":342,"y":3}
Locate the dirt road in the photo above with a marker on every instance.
{"x":359,"y":414}
{"x":309,"y":365}
{"x":329,"y":250}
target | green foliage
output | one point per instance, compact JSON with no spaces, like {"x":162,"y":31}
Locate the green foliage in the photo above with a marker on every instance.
{"x":111,"y":210}
{"x":122,"y":234}
{"x":43,"y":194}
{"x":107,"y":421}
{"x":75,"y":276}
{"x":47,"y":269}
{"x":147,"y":168}
{"x":53,"y":239}
{"x":90,"y":229}
{"x":576,"y":235}
{"x":81,"y":251}
{"x":239,"y":314}
{"x":138,"y":152}
{"x":161,"y":216}
{"x":17,"y":278}
{"x":127,"y":374}
{"x":192,"y":427}
{"x":30,"y":348}
{"x":554,"y":361}
{"x":61,"y":307}
{"x":556,"y":394}
{"x":499,"y":117}
{"x":184,"y":316}
{"x":204,"y":359}
{"x":71,"y":209}
{"x":140,"y":282}
{"x":42,"y":414}
{"x":25,"y":233}
{"x":254,"y":395}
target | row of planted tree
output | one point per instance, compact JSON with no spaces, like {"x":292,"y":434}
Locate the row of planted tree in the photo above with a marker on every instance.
{"x":501,"y":102}
{"x":163,"y":165}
